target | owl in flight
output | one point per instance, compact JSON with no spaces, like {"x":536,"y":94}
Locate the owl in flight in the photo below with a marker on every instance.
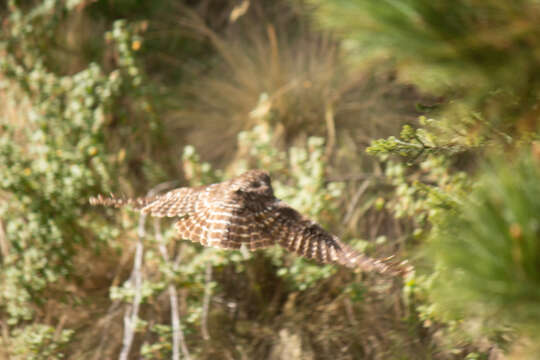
{"x":243,"y":211}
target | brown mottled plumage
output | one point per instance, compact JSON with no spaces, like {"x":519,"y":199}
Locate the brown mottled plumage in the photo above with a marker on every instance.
{"x":244,"y":211}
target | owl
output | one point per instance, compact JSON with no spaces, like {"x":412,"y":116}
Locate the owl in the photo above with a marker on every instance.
{"x":243,"y":212}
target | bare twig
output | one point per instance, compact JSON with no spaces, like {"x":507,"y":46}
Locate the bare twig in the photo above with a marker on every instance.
{"x":4,"y":243}
{"x":206,"y":301}
{"x":239,"y":11}
{"x":409,"y":144}
{"x":274,"y":51}
{"x":350,"y":209}
{"x":357,"y":177}
{"x":60,"y":327}
{"x":131,"y":314}
{"x":330,"y":128}
{"x":105,"y":333}
{"x":177,"y":334}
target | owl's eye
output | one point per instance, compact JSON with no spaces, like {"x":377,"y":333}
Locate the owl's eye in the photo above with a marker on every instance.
{"x":256,"y":184}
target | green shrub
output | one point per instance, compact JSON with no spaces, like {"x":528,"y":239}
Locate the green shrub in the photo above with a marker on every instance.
{"x":488,"y":248}
{"x":54,"y":156}
{"x":39,"y":342}
{"x":479,"y":273}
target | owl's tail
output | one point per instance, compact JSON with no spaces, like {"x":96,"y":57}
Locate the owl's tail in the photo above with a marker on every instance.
{"x":115,"y":201}
{"x":352,"y":259}
{"x":367,"y":264}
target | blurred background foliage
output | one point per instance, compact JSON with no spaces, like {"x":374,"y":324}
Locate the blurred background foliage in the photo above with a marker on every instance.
{"x":126,"y":96}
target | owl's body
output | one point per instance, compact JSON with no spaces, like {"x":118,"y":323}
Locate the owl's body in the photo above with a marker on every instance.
{"x":244,"y":212}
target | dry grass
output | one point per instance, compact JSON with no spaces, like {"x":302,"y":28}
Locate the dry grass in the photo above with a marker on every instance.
{"x":307,"y":79}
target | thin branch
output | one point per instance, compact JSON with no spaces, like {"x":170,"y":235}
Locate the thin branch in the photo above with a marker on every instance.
{"x":330,"y":128}
{"x":4,"y":243}
{"x":206,"y":301}
{"x":132,"y":311}
{"x":417,"y":138}
{"x":60,"y":327}
{"x":177,"y":334}
{"x":131,"y":314}
{"x":409,"y":144}
{"x":105,"y":333}
{"x":350,"y":209}
{"x":357,"y":177}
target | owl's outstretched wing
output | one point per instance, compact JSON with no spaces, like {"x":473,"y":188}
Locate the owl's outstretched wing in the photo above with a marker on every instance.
{"x":218,"y":215}
{"x":304,"y":237}
{"x":213,"y":215}
{"x":177,"y":202}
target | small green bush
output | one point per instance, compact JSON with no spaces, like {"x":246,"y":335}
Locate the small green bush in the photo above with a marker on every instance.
{"x":39,"y":342}
{"x":54,"y":156}
{"x":488,"y":248}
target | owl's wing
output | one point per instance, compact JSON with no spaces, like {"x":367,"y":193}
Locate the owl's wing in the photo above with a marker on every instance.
{"x":298,"y":234}
{"x":177,"y":202}
{"x":223,"y":222}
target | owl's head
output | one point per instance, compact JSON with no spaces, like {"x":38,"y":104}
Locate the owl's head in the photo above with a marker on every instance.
{"x":254,"y":182}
